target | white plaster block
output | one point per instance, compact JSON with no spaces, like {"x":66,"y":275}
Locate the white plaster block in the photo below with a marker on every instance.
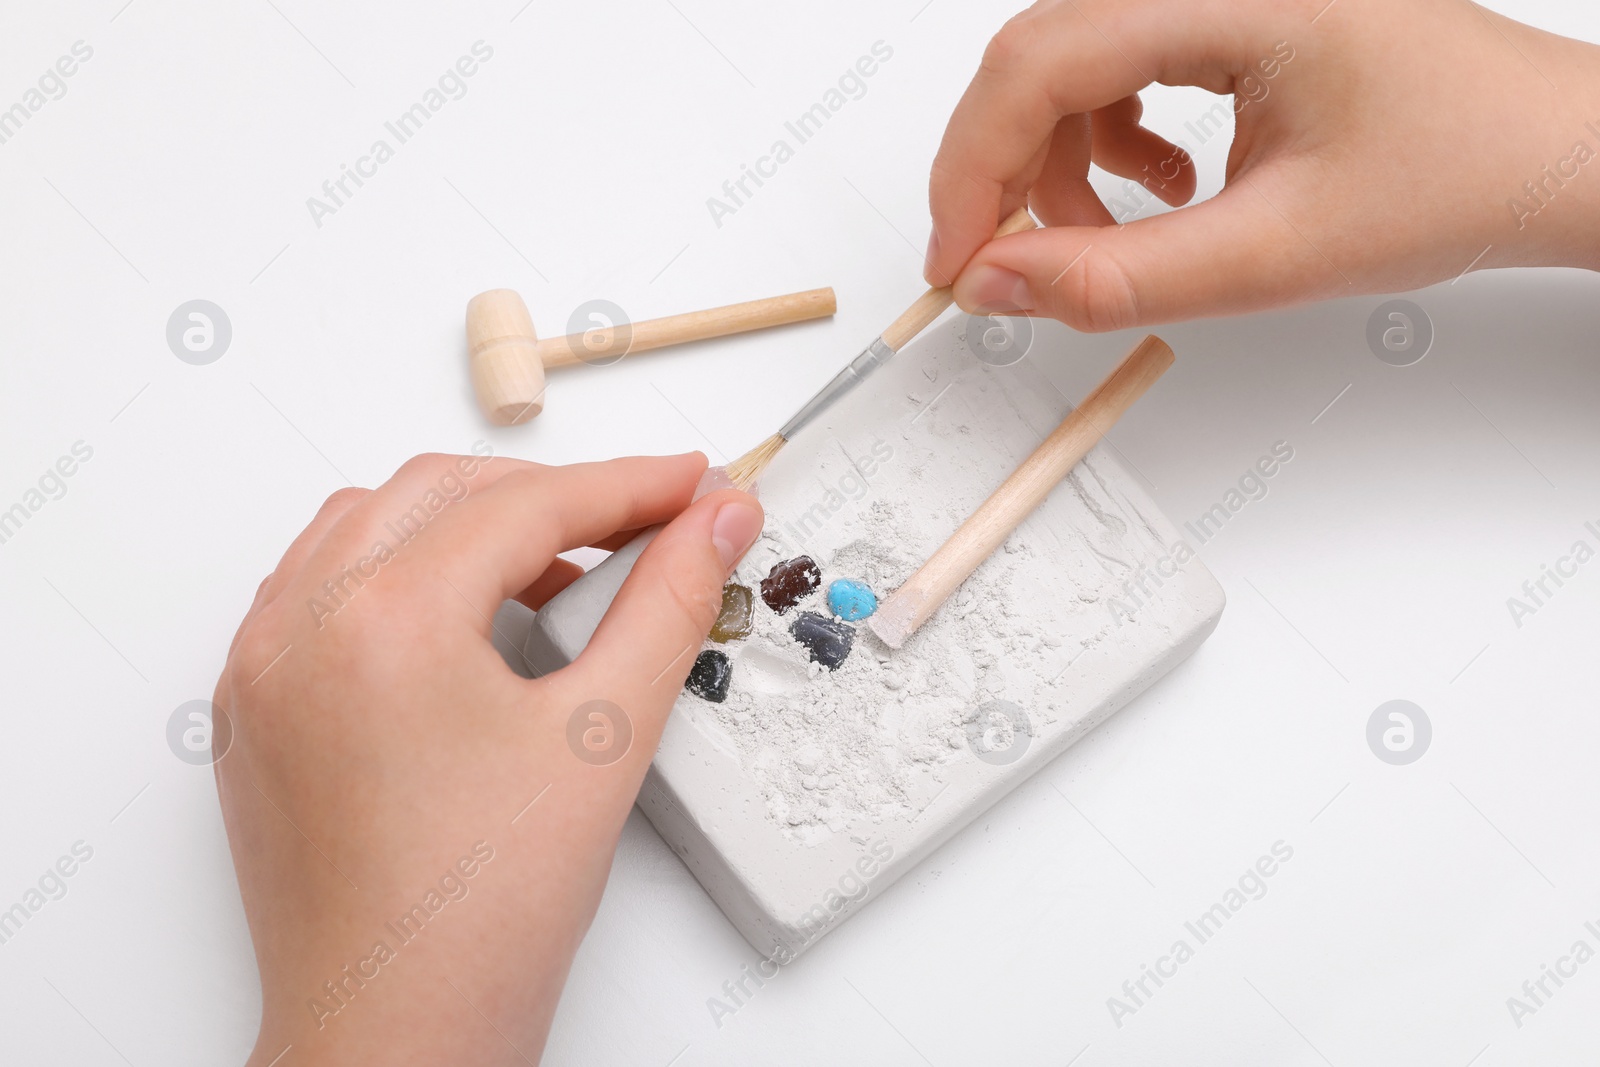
{"x":1092,"y":599}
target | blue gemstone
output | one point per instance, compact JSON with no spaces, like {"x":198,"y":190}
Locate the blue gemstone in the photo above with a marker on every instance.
{"x":851,"y":600}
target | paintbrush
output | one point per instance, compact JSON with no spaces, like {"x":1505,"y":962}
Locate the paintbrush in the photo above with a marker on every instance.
{"x":930,"y":305}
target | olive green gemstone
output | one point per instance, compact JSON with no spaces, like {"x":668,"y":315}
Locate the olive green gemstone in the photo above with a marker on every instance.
{"x":733,"y":621}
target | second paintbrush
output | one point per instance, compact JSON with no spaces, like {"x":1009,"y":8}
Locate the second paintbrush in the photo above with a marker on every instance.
{"x":930,"y":305}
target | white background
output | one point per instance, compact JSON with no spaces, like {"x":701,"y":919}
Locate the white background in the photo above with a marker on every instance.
{"x":578,"y":165}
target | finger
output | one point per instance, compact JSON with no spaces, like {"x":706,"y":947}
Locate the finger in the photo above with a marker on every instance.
{"x":560,"y":574}
{"x":338,"y":504}
{"x":712,"y":479}
{"x":499,"y":541}
{"x":616,"y":540}
{"x":1052,"y":61}
{"x":1062,"y":195}
{"x":396,"y":512}
{"x":643,"y":648}
{"x":335,"y":507}
{"x":563,"y":572}
{"x":1231,"y":254}
{"x":1128,"y":150}
{"x":1043,"y":65}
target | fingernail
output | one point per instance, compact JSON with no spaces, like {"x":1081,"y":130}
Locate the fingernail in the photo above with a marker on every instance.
{"x":996,"y":289}
{"x":734,"y":530}
{"x":716,"y":478}
{"x":711,"y":480}
{"x":933,"y":254}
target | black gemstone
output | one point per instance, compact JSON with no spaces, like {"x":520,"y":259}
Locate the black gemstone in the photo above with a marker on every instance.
{"x":710,"y":675}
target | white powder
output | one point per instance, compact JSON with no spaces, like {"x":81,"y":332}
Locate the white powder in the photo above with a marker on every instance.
{"x":839,"y":751}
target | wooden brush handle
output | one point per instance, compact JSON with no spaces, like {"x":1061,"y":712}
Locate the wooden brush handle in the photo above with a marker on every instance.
{"x":986,"y":529}
{"x":607,"y":343}
{"x":931,"y":304}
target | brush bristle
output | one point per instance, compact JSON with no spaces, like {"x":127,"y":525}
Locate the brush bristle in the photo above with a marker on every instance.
{"x":744,"y":471}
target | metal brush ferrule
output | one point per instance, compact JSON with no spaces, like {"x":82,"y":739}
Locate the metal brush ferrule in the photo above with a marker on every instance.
{"x":871,"y":358}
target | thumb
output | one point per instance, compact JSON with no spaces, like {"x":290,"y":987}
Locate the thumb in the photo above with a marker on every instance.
{"x":644,"y":646}
{"x":1231,"y":254}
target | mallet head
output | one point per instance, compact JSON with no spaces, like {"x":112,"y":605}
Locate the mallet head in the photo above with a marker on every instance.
{"x":502,"y":349}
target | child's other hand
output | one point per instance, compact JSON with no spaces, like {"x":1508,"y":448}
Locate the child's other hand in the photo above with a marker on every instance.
{"x":408,"y":899}
{"x":1379,"y":147}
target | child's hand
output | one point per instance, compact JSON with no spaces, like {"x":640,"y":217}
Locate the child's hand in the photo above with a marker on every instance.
{"x":1380,"y":146}
{"x":409,"y":898}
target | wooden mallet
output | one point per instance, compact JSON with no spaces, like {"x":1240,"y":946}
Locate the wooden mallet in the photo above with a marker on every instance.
{"x":508,"y":360}
{"x":986,"y":529}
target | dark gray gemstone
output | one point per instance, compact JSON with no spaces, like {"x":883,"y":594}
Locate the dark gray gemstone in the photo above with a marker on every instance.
{"x":827,"y":640}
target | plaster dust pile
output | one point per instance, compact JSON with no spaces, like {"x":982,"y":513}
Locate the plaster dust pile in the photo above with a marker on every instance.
{"x":836,"y":747}
{"x":822,"y":751}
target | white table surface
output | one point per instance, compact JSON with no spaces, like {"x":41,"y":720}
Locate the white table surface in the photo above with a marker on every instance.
{"x":177,"y":166}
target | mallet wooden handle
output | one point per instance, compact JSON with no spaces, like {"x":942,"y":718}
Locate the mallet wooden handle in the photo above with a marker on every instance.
{"x":931,"y":304}
{"x":508,"y":360}
{"x":610,"y":342}
{"x":986,"y":529}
